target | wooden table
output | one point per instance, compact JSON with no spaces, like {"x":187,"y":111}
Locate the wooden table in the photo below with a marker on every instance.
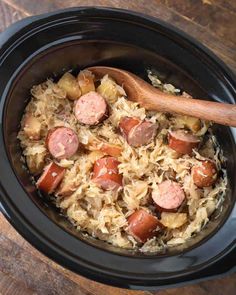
{"x":24,"y":270}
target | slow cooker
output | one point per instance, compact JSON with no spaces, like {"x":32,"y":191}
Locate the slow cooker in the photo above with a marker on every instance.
{"x":46,"y":46}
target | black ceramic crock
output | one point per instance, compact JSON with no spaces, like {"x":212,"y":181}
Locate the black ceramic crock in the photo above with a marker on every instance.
{"x":45,"y":46}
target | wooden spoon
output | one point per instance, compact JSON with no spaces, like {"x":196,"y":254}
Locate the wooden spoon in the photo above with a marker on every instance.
{"x":154,"y":99}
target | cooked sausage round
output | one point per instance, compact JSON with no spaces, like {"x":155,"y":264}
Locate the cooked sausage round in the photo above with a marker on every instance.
{"x":168,"y":196}
{"x":204,"y":174}
{"x":62,"y":142}
{"x":106,"y":173}
{"x":127,"y":123}
{"x":137,"y":132}
{"x":182,"y":141}
{"x":50,"y":178}
{"x":91,"y":108}
{"x":143,"y":225}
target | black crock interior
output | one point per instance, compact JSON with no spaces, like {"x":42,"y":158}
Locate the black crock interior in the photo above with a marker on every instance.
{"x":49,"y":46}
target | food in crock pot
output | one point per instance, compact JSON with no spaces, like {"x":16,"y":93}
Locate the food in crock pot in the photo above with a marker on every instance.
{"x":182,"y":141}
{"x":106,"y":173}
{"x":50,"y":178}
{"x":91,"y":108}
{"x":168,"y":196}
{"x":143,"y":225}
{"x":137,"y":132}
{"x":134,"y":178}
{"x":62,"y":142}
{"x":204,"y":174}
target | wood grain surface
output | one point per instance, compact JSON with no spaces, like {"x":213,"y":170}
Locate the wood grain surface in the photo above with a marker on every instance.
{"x":24,"y":270}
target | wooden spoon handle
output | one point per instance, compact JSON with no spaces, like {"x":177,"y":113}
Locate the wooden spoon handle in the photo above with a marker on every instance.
{"x":221,"y":113}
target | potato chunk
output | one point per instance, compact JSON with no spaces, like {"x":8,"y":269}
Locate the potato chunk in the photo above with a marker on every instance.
{"x":194,"y":124}
{"x":110,"y":90}
{"x":86,"y":82}
{"x":36,"y":163}
{"x":32,"y":127}
{"x":69,"y":83}
{"x":173,"y":220}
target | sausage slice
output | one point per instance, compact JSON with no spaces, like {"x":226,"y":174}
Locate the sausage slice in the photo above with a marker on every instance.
{"x":182,"y":141}
{"x":136,"y":131}
{"x":127,"y":123}
{"x":143,"y":225}
{"x":106,"y":173}
{"x":50,"y":178}
{"x":204,"y":174}
{"x":168,"y":196}
{"x":91,"y":108}
{"x":62,"y":142}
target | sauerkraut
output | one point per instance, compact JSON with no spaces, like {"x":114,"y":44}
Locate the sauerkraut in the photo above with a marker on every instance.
{"x":103,"y":214}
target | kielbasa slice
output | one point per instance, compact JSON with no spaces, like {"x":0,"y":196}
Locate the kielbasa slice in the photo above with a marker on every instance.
{"x":168,"y":196}
{"x":182,"y":141}
{"x":91,"y":108}
{"x":204,"y":174}
{"x":143,"y":225}
{"x":62,"y":142}
{"x":127,"y":123}
{"x":106,"y":173}
{"x":136,"y":131}
{"x":50,"y":178}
